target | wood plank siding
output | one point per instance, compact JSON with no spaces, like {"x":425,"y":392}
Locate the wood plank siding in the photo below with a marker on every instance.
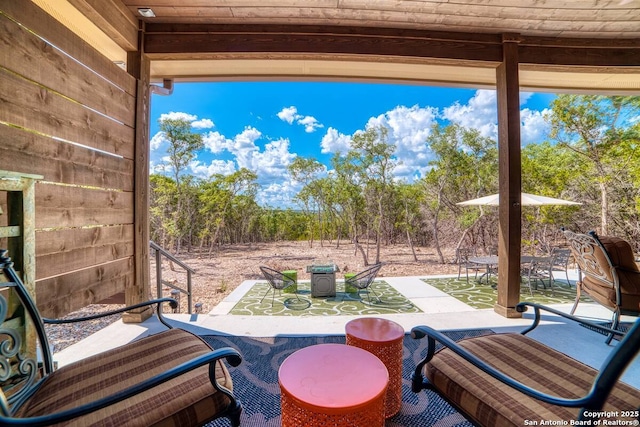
{"x":69,"y":114}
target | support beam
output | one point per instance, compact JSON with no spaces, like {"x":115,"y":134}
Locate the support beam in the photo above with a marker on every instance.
{"x":139,"y":66}
{"x":509,"y":235}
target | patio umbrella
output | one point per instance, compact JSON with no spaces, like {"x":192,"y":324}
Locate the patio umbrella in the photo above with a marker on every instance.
{"x":526,"y":199}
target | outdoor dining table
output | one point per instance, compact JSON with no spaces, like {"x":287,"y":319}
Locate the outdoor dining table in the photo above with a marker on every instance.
{"x":491,"y":262}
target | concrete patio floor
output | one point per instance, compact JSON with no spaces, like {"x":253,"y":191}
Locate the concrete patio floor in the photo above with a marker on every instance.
{"x":440,"y":311}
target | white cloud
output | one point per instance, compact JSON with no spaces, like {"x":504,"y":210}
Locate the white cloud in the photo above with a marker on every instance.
{"x":290,"y":114}
{"x":157,"y":140}
{"x":270,"y":164}
{"x":479,"y":113}
{"x":409,"y":128}
{"x":174,"y":115}
{"x":334,"y":142}
{"x":214,"y":142}
{"x":534,"y":128}
{"x":191,"y":118}
{"x":202,"y":170}
{"x":310,"y":124}
{"x":202,"y":124}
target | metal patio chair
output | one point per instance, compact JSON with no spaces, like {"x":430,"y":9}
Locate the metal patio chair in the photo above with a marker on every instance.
{"x":560,"y":262}
{"x":607,"y":273}
{"x":364,"y":279}
{"x":462,"y":259}
{"x":171,"y":378}
{"x":277,"y":281}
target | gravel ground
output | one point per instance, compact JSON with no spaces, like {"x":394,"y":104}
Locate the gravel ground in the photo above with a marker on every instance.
{"x":218,"y":275}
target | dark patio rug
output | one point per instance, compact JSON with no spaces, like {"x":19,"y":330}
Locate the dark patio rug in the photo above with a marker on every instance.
{"x":255,"y":381}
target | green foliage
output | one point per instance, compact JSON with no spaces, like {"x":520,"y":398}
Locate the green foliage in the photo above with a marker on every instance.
{"x":593,"y":154}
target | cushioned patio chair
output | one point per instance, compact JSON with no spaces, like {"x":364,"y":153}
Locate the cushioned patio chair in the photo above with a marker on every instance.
{"x":172,"y":378}
{"x":277,"y":281}
{"x":607,"y":273}
{"x":364,"y":279}
{"x":507,"y":379}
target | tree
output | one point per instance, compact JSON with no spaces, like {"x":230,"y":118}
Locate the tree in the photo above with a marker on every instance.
{"x":596,"y":127}
{"x":183,"y":145}
{"x":218,"y":195}
{"x":372,"y":156}
{"x":464,"y":166}
{"x":307,"y":171}
{"x":411,"y":196}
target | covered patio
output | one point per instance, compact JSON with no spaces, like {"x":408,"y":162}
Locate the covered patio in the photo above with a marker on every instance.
{"x":77,"y":79}
{"x":440,"y":311}
{"x":84,"y":123}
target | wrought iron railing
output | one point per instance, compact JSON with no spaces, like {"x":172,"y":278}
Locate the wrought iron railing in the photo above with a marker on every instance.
{"x":161,"y":252}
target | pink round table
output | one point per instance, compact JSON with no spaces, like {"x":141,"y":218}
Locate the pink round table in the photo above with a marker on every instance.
{"x":383,"y":338}
{"x":332,"y":384}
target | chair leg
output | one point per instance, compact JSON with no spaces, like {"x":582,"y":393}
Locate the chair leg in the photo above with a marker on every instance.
{"x":615,"y":321}
{"x":575,"y":304}
{"x":234,"y":415}
{"x":374,"y":292}
{"x":267,"y":293}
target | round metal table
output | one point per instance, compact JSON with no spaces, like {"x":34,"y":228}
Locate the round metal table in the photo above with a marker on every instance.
{"x":332,"y":384}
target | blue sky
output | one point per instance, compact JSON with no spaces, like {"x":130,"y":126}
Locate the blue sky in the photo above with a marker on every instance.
{"x":263,"y":125}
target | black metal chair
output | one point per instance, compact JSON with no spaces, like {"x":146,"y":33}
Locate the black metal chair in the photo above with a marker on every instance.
{"x":462,"y":259}
{"x":277,"y":281}
{"x":508,"y":378}
{"x":174,"y":370}
{"x":364,"y":279}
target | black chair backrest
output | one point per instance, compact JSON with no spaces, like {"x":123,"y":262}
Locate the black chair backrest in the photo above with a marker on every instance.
{"x":20,"y":326}
{"x":365,"y":277}
{"x":275,"y":278}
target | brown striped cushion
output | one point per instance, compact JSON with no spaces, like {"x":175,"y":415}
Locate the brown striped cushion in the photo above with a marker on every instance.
{"x":491,"y":403}
{"x":187,"y":400}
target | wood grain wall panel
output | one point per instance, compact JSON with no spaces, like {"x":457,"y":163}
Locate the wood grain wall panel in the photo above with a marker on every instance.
{"x":70,"y":239}
{"x":62,"y":294}
{"x":69,"y":115}
{"x":59,"y":206}
{"x":38,"y":21}
{"x":62,"y":162}
{"x":75,"y":249}
{"x":37,"y":60}
{"x":31,"y":106}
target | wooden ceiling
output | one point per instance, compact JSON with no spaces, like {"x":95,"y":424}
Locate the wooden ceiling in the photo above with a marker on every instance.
{"x":609,"y":19}
{"x":573,"y":45}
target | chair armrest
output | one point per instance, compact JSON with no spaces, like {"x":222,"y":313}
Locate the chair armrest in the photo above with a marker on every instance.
{"x":433,"y":335}
{"x":617,"y":361}
{"x":231,"y":355}
{"x":172,"y":302}
{"x":523,"y":306}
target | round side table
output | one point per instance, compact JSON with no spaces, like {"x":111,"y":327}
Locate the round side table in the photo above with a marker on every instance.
{"x":383,"y":338}
{"x":332,"y":385}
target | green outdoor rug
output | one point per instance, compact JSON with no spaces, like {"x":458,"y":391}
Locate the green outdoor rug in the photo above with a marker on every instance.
{"x":286,"y":304}
{"x":481,"y":295}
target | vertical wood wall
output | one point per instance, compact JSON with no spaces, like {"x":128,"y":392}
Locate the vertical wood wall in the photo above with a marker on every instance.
{"x":68,"y":113}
